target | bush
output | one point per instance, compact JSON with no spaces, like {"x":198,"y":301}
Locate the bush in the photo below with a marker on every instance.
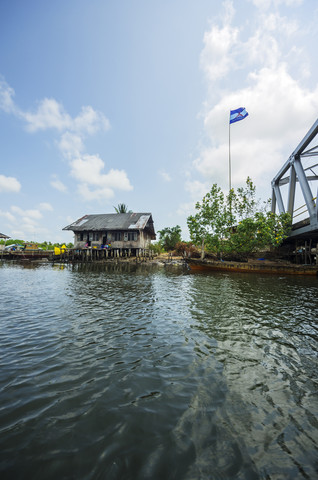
{"x":156,"y":247}
{"x":186,"y":249}
{"x":169,"y":237}
{"x":233,"y":224}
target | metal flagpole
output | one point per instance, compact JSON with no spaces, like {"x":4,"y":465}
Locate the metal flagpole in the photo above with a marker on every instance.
{"x":230,"y":186}
{"x":237,"y":115}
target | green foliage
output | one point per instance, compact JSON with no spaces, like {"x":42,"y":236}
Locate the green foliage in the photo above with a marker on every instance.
{"x":169,"y":237}
{"x":156,"y":247}
{"x":234,"y":224}
{"x":11,"y":241}
{"x":44,"y":245}
{"x":122,"y":208}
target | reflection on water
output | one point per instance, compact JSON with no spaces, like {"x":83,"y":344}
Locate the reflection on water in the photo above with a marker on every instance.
{"x":129,"y":372}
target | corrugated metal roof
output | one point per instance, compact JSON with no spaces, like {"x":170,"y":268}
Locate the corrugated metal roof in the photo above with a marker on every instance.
{"x":112,"y":221}
{"x":141,"y":222}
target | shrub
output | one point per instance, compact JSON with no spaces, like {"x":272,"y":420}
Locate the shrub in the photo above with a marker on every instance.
{"x":186,"y":249}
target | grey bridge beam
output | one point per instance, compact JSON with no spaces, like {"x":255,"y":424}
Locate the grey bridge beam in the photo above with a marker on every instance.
{"x":298,"y":174}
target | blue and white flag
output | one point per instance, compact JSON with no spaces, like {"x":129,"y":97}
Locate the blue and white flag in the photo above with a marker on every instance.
{"x":238,"y":114}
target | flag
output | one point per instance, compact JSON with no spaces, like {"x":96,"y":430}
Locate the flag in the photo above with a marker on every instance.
{"x":238,"y":114}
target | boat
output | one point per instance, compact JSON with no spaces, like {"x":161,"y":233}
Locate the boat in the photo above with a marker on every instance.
{"x":252,"y":266}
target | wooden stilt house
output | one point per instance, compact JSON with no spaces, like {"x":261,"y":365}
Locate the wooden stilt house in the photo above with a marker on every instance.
{"x":120,"y":231}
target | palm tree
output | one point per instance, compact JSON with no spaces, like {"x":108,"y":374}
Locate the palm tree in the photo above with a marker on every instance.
{"x":122,"y":208}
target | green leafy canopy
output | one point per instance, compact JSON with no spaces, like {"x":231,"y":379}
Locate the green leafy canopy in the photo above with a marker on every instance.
{"x":169,"y":237}
{"x":235,"y":223}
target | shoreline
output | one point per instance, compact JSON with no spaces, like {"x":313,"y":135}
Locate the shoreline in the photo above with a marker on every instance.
{"x":252,"y":266}
{"x":192,"y":264}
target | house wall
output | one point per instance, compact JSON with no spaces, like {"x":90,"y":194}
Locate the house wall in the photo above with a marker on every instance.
{"x":96,"y":239}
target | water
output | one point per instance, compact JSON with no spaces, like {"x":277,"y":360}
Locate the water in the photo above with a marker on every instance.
{"x":146,"y":373}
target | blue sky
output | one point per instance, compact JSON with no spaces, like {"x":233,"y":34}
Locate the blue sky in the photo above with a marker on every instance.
{"x":105,"y":102}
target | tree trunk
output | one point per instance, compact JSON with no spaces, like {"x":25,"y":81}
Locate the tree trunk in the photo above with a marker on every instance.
{"x":202,"y":250}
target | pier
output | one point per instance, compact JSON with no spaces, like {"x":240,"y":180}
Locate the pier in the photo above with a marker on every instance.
{"x":103,"y":254}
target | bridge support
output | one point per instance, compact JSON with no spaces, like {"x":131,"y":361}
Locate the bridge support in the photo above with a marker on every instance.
{"x":297,"y":173}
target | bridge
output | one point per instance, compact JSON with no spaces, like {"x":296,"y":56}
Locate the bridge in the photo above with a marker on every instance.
{"x":295,"y":181}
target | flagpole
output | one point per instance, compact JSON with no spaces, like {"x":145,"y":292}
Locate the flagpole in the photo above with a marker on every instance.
{"x":230,"y":186}
{"x":235,"y":116}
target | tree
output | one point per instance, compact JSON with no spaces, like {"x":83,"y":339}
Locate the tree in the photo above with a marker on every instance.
{"x":209,"y":227}
{"x":169,"y":237}
{"x":235,"y":224}
{"x":122,"y":208}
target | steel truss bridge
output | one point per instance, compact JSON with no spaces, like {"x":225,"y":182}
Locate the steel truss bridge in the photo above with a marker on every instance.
{"x":299,"y":174}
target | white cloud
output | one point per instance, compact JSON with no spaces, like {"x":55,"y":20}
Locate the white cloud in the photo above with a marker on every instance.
{"x":261,"y":143}
{"x":46,"y":206}
{"x":89,"y":121}
{"x":30,"y":230}
{"x":8,"y":216}
{"x":196,"y":188}
{"x":186,"y":209}
{"x":215,"y":58}
{"x":9,"y":184}
{"x":6,"y":97}
{"x":33,"y":214}
{"x":57,"y":184}
{"x":165,"y":176}
{"x":225,"y":53}
{"x":266,"y":4}
{"x":93,"y":183}
{"x":71,"y":145}
{"x":25,"y":222}
{"x":50,"y":114}
{"x":281,"y":108}
{"x":101,"y":193}
{"x":87,"y":169}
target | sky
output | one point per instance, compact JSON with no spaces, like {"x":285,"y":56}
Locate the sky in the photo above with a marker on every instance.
{"x":105,"y":102}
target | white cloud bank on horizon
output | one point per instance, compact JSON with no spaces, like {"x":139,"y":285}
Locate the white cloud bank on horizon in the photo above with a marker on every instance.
{"x":262,"y":54}
{"x":51,"y":115}
{"x":25,"y":222}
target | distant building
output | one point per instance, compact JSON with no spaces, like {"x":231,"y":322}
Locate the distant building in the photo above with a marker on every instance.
{"x":5,"y":238}
{"x":132,"y":231}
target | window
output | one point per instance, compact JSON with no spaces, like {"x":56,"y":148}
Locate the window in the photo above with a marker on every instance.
{"x":130,"y":236}
{"x":116,"y":236}
{"x":95,"y":236}
{"x":80,"y":237}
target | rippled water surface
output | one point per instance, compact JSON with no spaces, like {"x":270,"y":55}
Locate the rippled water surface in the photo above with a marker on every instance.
{"x":142,"y":373}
